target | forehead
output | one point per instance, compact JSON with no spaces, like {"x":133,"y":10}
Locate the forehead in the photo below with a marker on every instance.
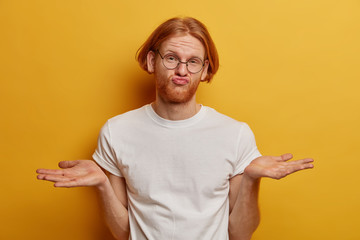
{"x":183,"y":44}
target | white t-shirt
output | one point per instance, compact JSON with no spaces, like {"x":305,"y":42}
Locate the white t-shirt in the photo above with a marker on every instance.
{"x":177,"y":172}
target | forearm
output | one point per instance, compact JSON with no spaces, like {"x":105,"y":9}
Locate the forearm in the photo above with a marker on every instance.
{"x":245,"y":216}
{"x":115,"y":213}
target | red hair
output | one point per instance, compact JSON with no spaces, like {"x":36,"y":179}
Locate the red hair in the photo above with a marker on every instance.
{"x":186,"y":25}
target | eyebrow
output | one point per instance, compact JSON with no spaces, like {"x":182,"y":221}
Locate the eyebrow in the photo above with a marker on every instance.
{"x":177,"y":55}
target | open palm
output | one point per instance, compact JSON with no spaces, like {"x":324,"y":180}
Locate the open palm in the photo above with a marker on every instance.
{"x":78,"y":173}
{"x":276,"y":167}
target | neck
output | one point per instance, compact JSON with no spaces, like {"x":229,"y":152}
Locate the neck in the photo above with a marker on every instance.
{"x":176,"y":111}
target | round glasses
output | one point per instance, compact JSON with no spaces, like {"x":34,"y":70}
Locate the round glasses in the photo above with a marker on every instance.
{"x":171,"y":61}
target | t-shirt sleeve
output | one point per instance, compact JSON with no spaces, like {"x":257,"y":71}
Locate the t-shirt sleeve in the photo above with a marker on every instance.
{"x":104,"y":154}
{"x":247,"y":149}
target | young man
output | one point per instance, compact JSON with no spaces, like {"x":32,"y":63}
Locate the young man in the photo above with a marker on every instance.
{"x":177,"y":169}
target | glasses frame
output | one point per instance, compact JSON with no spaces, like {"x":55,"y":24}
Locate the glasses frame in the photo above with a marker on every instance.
{"x":178,"y":59}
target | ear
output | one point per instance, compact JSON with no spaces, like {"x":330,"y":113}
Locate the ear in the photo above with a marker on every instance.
{"x":205,"y":71}
{"x":150,"y":61}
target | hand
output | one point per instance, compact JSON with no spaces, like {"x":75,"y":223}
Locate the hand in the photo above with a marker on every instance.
{"x":276,"y":167}
{"x":79,"y":173}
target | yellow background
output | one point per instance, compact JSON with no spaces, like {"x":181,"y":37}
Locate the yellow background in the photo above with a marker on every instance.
{"x":290,"y":69}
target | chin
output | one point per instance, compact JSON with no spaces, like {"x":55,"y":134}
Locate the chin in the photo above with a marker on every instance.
{"x":178,"y":96}
{"x":171,"y":93}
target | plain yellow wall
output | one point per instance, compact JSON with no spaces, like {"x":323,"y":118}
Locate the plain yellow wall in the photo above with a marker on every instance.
{"x":290,"y":69}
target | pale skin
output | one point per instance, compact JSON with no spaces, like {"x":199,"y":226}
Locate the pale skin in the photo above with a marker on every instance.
{"x":174,"y":103}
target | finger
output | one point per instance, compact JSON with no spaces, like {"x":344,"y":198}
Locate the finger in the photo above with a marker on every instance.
{"x":67,"y":184}
{"x":50,"y":171}
{"x":299,"y":167}
{"x":68,"y":164}
{"x":285,"y":157}
{"x":70,"y":183}
{"x":53,"y":178}
{"x":301,"y":161}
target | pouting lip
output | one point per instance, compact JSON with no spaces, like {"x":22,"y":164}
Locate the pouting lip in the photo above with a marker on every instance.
{"x":180,"y":80}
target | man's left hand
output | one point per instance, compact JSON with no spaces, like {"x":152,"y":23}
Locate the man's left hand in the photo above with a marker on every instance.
{"x":276,"y":167}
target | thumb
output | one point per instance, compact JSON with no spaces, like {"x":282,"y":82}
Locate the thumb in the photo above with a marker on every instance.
{"x":67,"y":164}
{"x":285,"y":157}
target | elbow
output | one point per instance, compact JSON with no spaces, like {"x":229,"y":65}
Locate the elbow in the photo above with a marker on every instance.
{"x":240,"y":235}
{"x":121,"y":236}
{"x":238,"y":231}
{"x":119,"y":231}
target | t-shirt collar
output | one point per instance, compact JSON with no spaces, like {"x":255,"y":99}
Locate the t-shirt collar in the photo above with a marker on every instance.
{"x":175,"y":123}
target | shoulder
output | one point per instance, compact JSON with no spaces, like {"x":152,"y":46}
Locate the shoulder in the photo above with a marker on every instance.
{"x":222,"y":119}
{"x":128,"y":117}
{"x":124,"y":121}
{"x":229,"y":126}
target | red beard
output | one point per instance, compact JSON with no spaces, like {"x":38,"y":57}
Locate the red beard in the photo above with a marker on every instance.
{"x":172,"y":93}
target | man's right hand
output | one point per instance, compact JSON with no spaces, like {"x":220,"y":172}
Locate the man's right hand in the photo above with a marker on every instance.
{"x":78,"y":173}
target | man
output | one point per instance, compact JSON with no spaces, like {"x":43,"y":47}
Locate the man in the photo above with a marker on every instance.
{"x":177,"y":169}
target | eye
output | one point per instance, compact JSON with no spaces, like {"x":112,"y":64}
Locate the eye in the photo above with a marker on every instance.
{"x":171,"y":58}
{"x":195,"y":61}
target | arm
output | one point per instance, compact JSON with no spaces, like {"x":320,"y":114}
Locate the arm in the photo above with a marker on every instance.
{"x":244,"y":215}
{"x":244,"y":189}
{"x":111,"y":190}
{"x":113,"y":201}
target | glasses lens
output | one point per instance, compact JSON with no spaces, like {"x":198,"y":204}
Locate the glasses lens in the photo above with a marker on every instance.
{"x":195,"y":65}
{"x":170,"y":61}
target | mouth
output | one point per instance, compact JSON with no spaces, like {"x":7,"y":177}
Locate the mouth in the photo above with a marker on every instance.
{"x":180,"y":80}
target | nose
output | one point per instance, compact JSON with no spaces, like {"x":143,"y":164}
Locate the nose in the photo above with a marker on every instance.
{"x":182,"y":69}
